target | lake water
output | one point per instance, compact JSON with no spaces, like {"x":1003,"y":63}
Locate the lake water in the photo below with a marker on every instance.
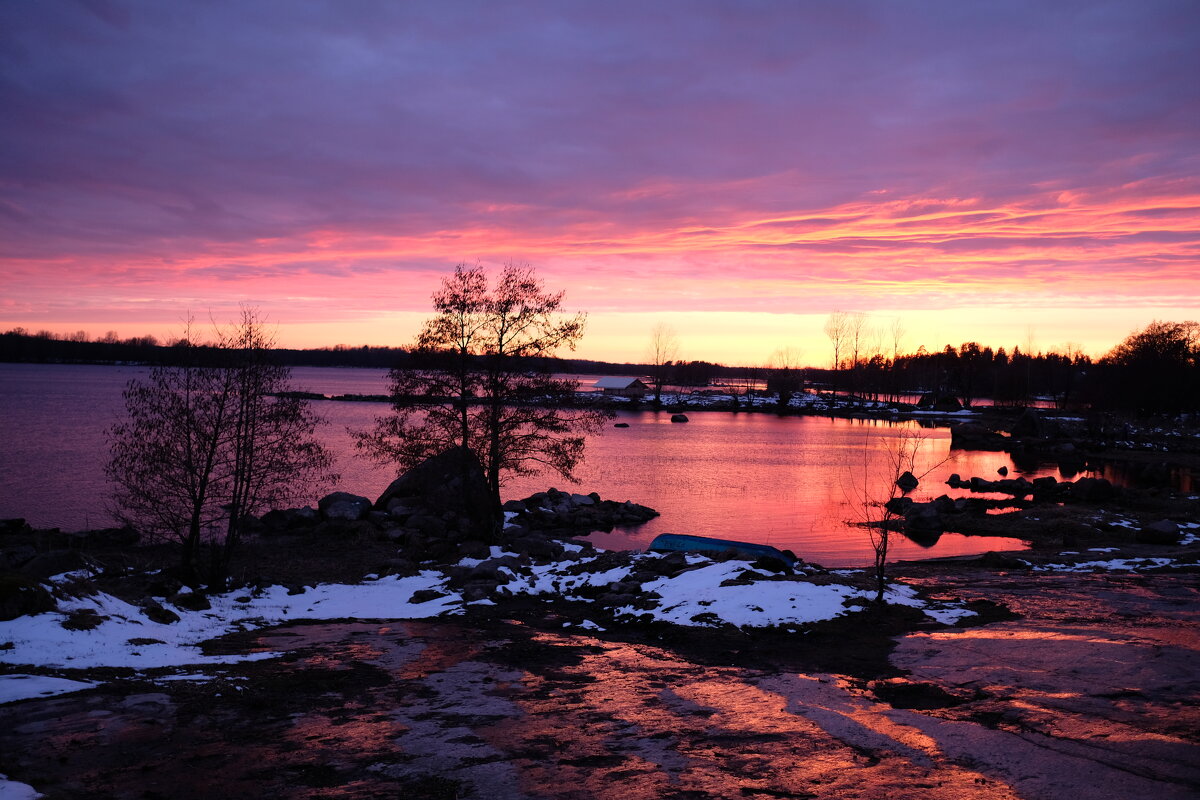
{"x":793,"y":482}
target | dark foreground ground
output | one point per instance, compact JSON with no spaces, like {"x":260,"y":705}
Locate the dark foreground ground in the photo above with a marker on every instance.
{"x":1089,"y":688}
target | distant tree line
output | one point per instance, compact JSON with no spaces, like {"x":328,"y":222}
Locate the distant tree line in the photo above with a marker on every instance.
{"x":970,"y":372}
{"x":1153,"y":371}
{"x":44,"y":347}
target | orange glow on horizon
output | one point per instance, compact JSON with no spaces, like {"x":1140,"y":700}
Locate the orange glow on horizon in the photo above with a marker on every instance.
{"x":954,"y":269}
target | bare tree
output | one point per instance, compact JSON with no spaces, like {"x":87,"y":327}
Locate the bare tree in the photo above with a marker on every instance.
{"x":786,"y":375}
{"x":481,"y":380}
{"x":896,"y":334}
{"x":837,"y":328}
{"x":271,"y":455}
{"x":858,"y":339}
{"x":207,"y":443}
{"x":663,"y":350}
{"x":878,"y":486}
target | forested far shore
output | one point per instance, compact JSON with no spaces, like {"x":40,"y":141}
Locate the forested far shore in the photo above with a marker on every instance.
{"x":1153,"y":371}
{"x":19,"y":346}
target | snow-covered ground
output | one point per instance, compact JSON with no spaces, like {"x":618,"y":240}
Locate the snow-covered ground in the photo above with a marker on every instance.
{"x":12,"y":790}
{"x":23,"y":687}
{"x":125,"y":637}
{"x":1110,"y":565}
{"x":707,"y":593}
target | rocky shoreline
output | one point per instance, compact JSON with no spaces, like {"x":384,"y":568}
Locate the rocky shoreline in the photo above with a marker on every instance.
{"x":538,"y":616}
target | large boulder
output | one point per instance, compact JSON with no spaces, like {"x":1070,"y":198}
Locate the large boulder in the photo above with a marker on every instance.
{"x":922,"y":518}
{"x":344,"y":506}
{"x":451,"y":481}
{"x":1162,"y":532}
{"x":937,"y":401}
{"x":1092,"y":490}
{"x":1029,"y":424}
{"x":972,"y":436}
{"x":289,"y":519}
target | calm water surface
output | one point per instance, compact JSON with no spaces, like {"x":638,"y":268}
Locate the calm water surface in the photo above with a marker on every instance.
{"x":793,"y":482}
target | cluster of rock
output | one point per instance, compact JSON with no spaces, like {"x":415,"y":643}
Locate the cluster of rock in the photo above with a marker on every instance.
{"x":439,"y":509}
{"x":1047,"y":489}
{"x":973,"y":436}
{"x":28,"y":557}
{"x":43,"y":553}
{"x":1031,"y":438}
{"x":558,"y":513}
{"x":929,"y":518}
{"x":442,"y":510}
{"x":1164,"y":531}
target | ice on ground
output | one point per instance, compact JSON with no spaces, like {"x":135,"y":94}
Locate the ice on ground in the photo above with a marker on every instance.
{"x":23,"y":687}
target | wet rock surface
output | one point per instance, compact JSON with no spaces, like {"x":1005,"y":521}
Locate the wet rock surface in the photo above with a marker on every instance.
{"x":1087,"y":689}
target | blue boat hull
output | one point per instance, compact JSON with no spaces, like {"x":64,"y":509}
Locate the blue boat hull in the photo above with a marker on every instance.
{"x":677,"y":542}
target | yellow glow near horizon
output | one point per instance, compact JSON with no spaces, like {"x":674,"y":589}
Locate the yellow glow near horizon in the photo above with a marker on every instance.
{"x":740,"y":338}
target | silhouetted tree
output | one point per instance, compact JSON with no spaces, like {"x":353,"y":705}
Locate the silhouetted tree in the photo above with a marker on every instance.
{"x":837,"y":328}
{"x":1155,"y":370}
{"x":786,"y":377}
{"x":480,"y":379}
{"x":208,"y":442}
{"x":663,"y":350}
{"x":877,"y":489}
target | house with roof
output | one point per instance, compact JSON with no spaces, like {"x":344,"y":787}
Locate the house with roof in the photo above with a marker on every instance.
{"x":622,"y":387}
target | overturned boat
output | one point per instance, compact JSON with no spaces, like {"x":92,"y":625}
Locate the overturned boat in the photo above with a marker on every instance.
{"x":678,"y":542}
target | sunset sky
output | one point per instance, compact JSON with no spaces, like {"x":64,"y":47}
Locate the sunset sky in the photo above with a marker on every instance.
{"x":1010,"y":172}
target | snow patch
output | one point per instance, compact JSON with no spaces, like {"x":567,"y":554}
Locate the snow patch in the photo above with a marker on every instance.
{"x":127,"y":638}
{"x":1114,"y":565}
{"x":23,"y":687}
{"x":12,"y":790}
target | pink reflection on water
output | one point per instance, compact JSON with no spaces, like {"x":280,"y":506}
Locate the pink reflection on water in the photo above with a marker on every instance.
{"x":787,"y":481}
{"x":791,"y":482}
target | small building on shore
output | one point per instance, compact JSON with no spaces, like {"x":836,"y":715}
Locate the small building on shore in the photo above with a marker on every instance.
{"x":622,"y":387}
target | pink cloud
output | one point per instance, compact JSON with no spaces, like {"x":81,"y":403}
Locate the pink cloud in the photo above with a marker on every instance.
{"x":334,"y":160}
